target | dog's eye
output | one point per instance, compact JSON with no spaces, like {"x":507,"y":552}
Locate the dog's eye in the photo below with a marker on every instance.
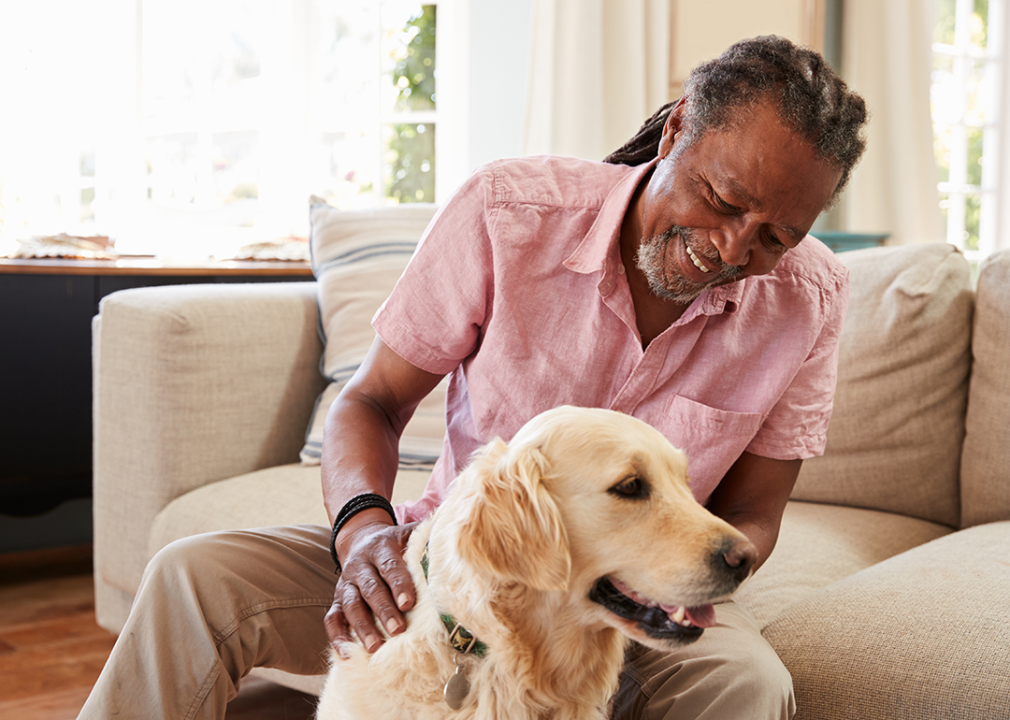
{"x":631,"y":487}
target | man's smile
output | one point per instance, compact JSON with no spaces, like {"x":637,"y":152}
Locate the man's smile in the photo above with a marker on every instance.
{"x":696,"y":260}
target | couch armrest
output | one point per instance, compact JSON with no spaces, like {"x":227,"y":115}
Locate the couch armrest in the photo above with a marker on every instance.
{"x":193,"y":384}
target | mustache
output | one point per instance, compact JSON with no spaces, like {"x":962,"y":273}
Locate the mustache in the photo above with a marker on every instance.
{"x":726,"y":270}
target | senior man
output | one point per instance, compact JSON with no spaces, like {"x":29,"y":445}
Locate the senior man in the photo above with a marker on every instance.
{"x":675,"y":283}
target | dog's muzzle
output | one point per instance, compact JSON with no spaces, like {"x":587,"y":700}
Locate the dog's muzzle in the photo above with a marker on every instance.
{"x":681,"y":625}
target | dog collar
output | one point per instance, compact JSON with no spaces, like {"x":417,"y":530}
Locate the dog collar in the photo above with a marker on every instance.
{"x":459,"y":637}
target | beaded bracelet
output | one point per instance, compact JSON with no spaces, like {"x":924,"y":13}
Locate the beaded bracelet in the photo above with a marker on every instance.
{"x":351,"y":508}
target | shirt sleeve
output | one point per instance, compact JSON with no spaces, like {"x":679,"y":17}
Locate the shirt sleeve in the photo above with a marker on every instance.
{"x":797,"y":426}
{"x":434,"y":315}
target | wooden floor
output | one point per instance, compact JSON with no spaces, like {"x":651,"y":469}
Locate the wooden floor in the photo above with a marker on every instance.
{"x":52,"y":651}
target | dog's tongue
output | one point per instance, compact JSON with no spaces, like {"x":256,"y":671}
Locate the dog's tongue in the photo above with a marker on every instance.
{"x":702,"y":616}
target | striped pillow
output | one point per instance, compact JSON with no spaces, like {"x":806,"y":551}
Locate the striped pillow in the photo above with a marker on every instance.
{"x":357,"y":257}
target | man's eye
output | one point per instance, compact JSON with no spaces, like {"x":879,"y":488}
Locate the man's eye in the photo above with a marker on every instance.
{"x":631,"y":487}
{"x":723,"y":205}
{"x":773,"y":242}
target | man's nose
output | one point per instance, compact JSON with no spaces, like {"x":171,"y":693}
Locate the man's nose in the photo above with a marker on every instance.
{"x":735,"y":241}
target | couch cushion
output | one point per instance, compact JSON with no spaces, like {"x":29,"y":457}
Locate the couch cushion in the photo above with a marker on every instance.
{"x":985,"y":465}
{"x":357,"y":257}
{"x":819,"y":544}
{"x":895,"y":434}
{"x":923,"y":635}
{"x":282,"y":495}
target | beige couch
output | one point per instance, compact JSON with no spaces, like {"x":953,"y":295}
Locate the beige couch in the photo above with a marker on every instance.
{"x":888,"y":595}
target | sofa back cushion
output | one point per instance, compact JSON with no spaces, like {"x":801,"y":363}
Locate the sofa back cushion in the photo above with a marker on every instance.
{"x":895,"y":435}
{"x":357,"y":257}
{"x":985,"y":464}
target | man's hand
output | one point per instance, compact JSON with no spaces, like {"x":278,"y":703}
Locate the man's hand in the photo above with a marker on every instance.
{"x":360,"y":455}
{"x":374,"y":573}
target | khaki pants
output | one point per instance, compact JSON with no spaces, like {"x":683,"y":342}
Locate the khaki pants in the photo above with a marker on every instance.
{"x":212,"y":607}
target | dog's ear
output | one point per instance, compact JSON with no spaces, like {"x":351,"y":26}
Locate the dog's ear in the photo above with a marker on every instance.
{"x":514,"y":529}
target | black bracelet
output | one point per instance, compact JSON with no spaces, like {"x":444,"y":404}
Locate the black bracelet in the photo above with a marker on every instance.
{"x":351,"y":508}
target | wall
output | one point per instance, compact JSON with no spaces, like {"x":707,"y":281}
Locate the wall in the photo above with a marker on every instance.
{"x":702,"y":30}
{"x":493,"y":64}
{"x":500,"y":35}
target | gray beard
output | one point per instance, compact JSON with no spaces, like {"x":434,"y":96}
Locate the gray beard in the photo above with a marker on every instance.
{"x":678,"y":289}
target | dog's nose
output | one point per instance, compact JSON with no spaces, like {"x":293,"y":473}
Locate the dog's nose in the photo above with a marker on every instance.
{"x":738,"y":557}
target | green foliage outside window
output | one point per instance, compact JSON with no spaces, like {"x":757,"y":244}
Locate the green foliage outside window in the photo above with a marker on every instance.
{"x":412,"y":145}
{"x":946,"y":12}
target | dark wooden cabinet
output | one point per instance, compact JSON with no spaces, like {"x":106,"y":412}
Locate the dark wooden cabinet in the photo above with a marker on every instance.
{"x":46,"y":310}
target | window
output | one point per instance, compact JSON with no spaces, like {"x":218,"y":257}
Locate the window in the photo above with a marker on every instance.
{"x":227,"y":115}
{"x":965,"y":97}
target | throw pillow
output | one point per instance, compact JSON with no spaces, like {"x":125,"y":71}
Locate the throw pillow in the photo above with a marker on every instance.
{"x":357,"y":257}
{"x":895,"y":434}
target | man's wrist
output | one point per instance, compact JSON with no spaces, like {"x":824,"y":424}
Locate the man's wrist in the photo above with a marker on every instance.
{"x":358,"y":512}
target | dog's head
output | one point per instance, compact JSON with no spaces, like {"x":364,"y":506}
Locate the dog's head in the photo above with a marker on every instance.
{"x":596,"y":505}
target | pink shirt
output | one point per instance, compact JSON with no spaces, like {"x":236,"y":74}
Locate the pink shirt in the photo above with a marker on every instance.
{"x":517,"y":289}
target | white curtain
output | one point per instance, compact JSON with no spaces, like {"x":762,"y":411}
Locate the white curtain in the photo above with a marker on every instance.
{"x":598,"y":70}
{"x":887,"y":59}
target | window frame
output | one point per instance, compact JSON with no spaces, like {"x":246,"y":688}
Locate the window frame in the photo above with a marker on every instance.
{"x":993,"y":215}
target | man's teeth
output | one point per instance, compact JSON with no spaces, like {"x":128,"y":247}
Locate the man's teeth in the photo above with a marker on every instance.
{"x":696,"y":260}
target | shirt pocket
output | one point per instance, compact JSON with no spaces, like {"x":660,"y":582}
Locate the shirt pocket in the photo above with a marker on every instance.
{"x":712,"y":438}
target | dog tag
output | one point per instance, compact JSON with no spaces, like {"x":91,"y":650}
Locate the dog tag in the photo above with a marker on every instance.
{"x":457,"y":689}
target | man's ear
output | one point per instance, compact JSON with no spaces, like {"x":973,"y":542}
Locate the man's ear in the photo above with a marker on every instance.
{"x":674,"y":127}
{"x":514,"y":530}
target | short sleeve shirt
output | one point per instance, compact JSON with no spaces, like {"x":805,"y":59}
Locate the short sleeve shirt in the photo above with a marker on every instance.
{"x":518,"y":292}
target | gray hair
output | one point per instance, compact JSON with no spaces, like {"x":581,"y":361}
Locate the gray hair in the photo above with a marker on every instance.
{"x":811,"y":99}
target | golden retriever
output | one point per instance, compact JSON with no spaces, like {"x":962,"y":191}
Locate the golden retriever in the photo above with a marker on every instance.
{"x":553,"y":551}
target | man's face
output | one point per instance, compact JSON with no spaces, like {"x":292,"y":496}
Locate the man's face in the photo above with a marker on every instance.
{"x":728,"y":204}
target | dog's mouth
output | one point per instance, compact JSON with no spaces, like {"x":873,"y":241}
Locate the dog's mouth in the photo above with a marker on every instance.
{"x":663,"y":622}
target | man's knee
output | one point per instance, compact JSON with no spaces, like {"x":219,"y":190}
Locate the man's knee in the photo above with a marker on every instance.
{"x":757,"y":676}
{"x":193,"y":564}
{"x":745,"y":681}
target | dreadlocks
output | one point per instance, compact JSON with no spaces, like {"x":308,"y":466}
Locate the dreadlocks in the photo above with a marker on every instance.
{"x":811,"y":99}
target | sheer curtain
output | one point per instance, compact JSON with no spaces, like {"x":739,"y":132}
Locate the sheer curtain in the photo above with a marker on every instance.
{"x":887,"y":59}
{"x":598,"y":69}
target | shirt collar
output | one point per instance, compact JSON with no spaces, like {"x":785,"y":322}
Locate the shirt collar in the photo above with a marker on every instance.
{"x":599,"y":251}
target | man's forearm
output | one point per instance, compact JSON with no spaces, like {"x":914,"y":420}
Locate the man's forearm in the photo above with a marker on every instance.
{"x":360,"y":455}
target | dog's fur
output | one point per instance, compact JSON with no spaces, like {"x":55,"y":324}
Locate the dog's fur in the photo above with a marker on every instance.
{"x":516,"y":550}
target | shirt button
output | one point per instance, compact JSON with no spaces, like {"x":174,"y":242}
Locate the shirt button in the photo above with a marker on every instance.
{"x":620,"y":269}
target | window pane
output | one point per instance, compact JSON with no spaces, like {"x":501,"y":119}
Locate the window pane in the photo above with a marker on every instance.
{"x":943,"y":31}
{"x":941,"y":151}
{"x":980,"y":24}
{"x":943,"y":91}
{"x":973,"y":211}
{"x":192,"y":49}
{"x":87,"y":206}
{"x":236,"y":36}
{"x":410,"y":162}
{"x":87,"y":162}
{"x":344,"y":169}
{"x":171,"y":53}
{"x":944,"y":207}
{"x":409,"y":50}
{"x":173,"y":168}
{"x":975,"y":141}
{"x":978,"y":94}
{"x":236,"y":166}
{"x":347,"y":95}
